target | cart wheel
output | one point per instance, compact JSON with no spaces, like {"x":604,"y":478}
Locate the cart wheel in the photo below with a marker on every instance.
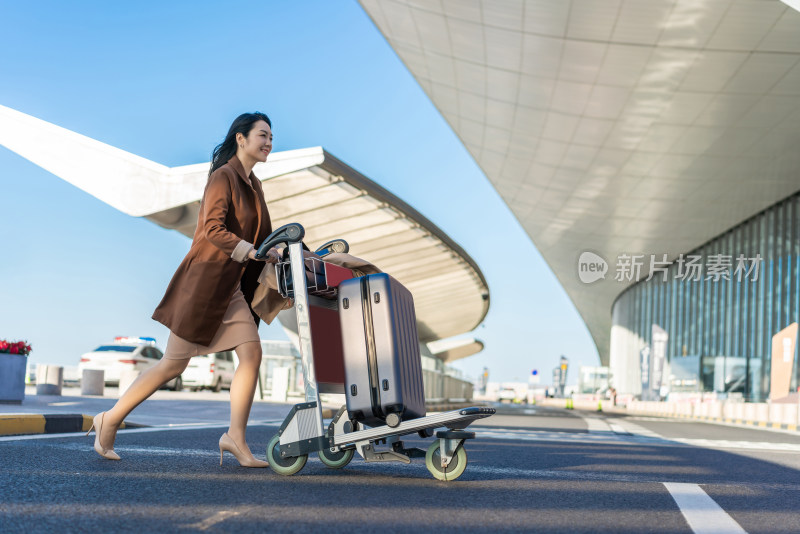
{"x":433,"y":461}
{"x":336,"y":460}
{"x":283,"y":466}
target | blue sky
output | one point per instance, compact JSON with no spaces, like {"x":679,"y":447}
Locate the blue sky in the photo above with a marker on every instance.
{"x":164,"y":81}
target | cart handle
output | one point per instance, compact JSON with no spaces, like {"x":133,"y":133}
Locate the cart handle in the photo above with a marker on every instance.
{"x":336,"y":245}
{"x":288,"y":233}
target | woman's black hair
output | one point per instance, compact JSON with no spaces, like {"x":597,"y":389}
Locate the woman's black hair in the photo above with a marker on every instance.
{"x":227,"y":149}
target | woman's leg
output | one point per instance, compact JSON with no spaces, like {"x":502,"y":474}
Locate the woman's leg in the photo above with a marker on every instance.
{"x":145,"y":385}
{"x":243,"y":388}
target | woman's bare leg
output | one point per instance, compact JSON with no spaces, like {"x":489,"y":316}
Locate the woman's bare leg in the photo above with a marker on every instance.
{"x":145,"y":385}
{"x":243,"y":388}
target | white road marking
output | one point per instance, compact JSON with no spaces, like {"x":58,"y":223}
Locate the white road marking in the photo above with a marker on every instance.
{"x":617,"y":429}
{"x":571,"y":437}
{"x":618,"y":426}
{"x":631,"y":434}
{"x":596,"y":424}
{"x":664,"y":419}
{"x":633,"y":428}
{"x":637,"y":436}
{"x":219,"y":517}
{"x":702,"y":513}
{"x":154,"y":450}
{"x":189,"y":426}
{"x":741,"y":445}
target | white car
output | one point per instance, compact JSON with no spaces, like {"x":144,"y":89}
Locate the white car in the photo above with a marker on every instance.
{"x":213,"y":371}
{"x":125,"y":353}
{"x":507,"y":394}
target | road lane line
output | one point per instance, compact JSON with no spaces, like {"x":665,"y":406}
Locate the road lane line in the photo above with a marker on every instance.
{"x":637,"y":436}
{"x":189,"y":426}
{"x":617,"y":429}
{"x":598,"y":424}
{"x":726,"y":444}
{"x":702,"y":513}
{"x":637,"y":430}
{"x":209,"y":522}
{"x":595,"y":424}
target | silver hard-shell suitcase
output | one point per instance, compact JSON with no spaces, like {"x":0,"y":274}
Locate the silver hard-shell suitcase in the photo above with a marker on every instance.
{"x":383,"y":369}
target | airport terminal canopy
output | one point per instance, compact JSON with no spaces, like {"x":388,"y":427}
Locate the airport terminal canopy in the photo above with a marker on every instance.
{"x":614,"y":126}
{"x":329,"y":198}
{"x":450,"y":350}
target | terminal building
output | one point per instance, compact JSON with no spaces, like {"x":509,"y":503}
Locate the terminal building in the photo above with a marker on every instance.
{"x":643,"y":136}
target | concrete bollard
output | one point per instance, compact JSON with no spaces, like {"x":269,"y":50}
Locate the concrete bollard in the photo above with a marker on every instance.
{"x":49,"y":379}
{"x":126,"y":378}
{"x":93,"y":382}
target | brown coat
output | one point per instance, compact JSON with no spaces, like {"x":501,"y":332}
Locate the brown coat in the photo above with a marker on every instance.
{"x":232,"y":209}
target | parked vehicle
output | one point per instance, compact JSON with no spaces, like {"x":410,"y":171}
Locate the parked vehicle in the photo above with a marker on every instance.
{"x":507,"y":395}
{"x":30,"y":374}
{"x":213,"y":371}
{"x":125,"y":353}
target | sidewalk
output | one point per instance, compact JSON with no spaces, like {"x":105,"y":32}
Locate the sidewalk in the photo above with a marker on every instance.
{"x":661,"y":410}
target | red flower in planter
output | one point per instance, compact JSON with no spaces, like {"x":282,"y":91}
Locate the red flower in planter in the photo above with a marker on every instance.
{"x":16,"y":347}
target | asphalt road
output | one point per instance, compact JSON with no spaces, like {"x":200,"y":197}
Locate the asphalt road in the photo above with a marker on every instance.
{"x":530,"y":469}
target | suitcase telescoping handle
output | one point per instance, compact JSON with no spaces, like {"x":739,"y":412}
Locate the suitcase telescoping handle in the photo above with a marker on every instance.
{"x":288,"y":233}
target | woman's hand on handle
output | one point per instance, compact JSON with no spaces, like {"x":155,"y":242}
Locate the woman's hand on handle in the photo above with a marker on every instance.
{"x":273,"y":256}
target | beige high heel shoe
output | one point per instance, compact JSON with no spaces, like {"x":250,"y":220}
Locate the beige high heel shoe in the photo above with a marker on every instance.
{"x":97,"y":426}
{"x":226,"y":443}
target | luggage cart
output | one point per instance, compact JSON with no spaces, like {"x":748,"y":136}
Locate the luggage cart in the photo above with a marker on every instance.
{"x":303,"y":431}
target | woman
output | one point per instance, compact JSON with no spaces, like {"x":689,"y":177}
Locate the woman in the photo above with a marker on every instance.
{"x":207,"y":303}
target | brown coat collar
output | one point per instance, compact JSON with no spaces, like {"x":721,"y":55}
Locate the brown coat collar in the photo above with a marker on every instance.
{"x":239,"y":168}
{"x":251,"y":180}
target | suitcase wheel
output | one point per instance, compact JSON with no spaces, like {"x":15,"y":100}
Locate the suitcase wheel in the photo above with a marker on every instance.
{"x":393,"y":419}
{"x":283,"y":466}
{"x":425,"y":433}
{"x":456,"y":467}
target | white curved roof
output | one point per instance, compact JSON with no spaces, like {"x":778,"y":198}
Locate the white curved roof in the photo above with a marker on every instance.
{"x":329,"y":198}
{"x":614,"y":126}
{"x":452,"y":349}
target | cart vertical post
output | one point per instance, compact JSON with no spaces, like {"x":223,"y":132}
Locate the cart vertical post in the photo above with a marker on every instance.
{"x":297,"y":263}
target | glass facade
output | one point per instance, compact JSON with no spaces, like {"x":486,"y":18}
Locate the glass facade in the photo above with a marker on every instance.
{"x":722,"y":303}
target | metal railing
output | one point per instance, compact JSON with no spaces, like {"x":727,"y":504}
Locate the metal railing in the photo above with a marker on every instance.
{"x":442,"y":387}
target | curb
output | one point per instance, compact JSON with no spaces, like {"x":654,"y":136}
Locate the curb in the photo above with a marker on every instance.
{"x":742,"y":422}
{"x":20,"y":424}
{"x":723,"y":420}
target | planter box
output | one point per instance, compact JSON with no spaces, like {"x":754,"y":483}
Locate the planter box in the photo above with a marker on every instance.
{"x":12,"y":378}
